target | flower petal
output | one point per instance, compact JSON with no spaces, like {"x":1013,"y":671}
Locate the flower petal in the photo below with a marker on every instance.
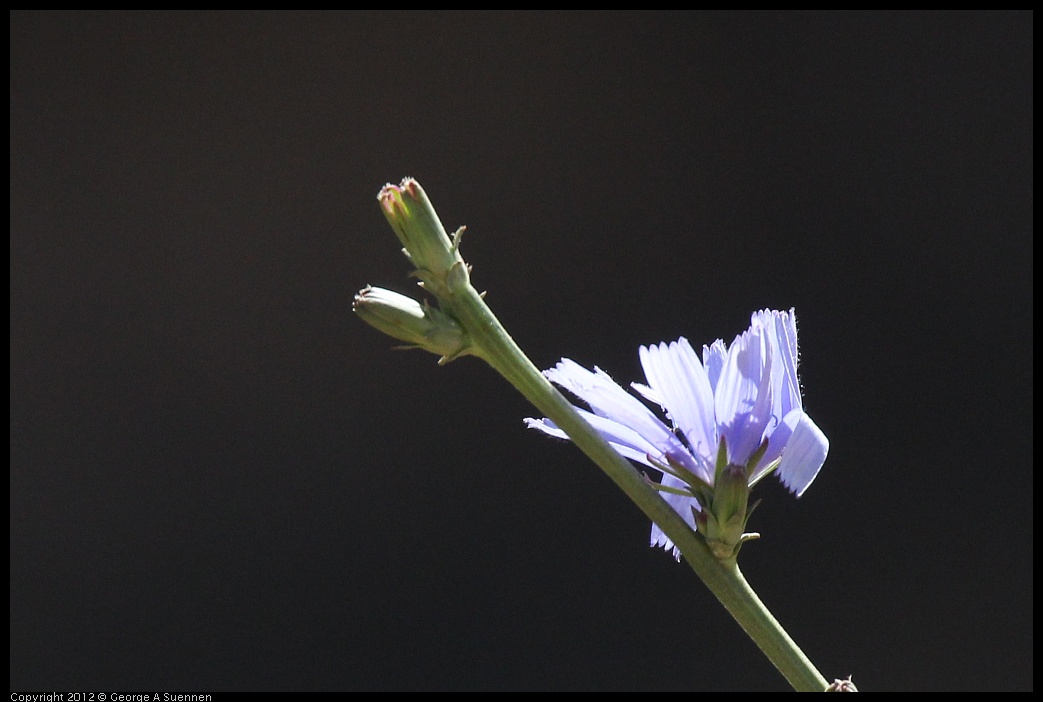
{"x":683,"y":506}
{"x":782,"y":333}
{"x":678,"y":379}
{"x":714,"y":357}
{"x":780,"y":436}
{"x":743,"y":399}
{"x":624,"y":440}
{"x":619,"y":417}
{"x":609,"y":400}
{"x":803,"y":456}
{"x":647,"y":393}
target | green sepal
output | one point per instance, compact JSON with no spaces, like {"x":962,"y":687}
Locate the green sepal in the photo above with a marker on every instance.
{"x":724,"y":523}
{"x":756,"y":458}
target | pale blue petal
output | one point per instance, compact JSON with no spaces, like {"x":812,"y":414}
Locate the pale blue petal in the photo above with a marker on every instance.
{"x":546,"y":426}
{"x":743,"y":398}
{"x":683,"y":506}
{"x":714,"y":357}
{"x":607,"y":399}
{"x":789,"y":325}
{"x":782,"y":328}
{"x":779,"y":437}
{"x":647,"y":393}
{"x":803,"y":456}
{"x":624,"y":440}
{"x":677,"y":377}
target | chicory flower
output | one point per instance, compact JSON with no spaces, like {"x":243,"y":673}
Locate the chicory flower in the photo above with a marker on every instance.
{"x":734,"y":416}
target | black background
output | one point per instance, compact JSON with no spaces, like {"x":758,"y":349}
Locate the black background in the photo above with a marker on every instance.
{"x":221,"y":479}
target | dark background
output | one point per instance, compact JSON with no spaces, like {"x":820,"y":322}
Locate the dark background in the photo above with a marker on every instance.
{"x":221,"y":479}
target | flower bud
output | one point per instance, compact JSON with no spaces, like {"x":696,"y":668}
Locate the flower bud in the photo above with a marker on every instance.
{"x":727,"y":512}
{"x":420,"y":325}
{"x":426,"y":243}
{"x":844,"y":685}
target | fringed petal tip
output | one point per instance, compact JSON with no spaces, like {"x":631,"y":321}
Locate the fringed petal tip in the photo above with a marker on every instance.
{"x":561,"y":369}
{"x":666,"y":546}
{"x":546,"y":426}
{"x":803,"y":456}
{"x":660,"y":540}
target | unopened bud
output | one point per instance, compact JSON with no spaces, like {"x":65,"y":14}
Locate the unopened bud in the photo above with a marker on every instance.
{"x":419,"y":325}
{"x":417,"y":226}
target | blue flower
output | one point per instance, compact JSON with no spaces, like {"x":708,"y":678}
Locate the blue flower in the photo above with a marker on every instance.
{"x":739,"y":407}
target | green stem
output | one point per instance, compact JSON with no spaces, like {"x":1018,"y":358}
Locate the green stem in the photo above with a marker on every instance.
{"x":723,"y":578}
